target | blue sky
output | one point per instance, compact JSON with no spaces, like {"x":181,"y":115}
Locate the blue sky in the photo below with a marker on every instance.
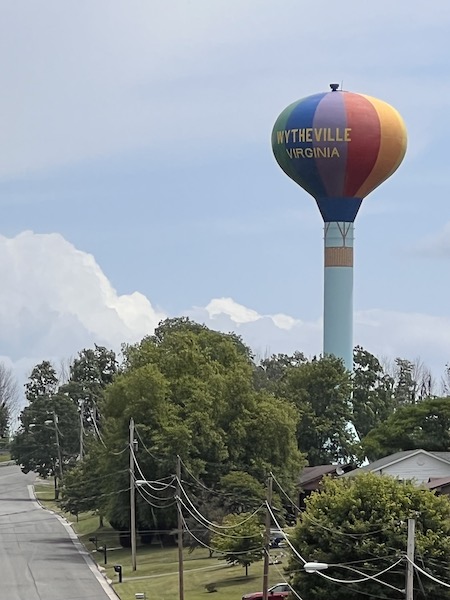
{"x":137,"y":179}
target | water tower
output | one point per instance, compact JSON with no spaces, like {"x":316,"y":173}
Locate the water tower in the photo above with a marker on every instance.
{"x":339,"y":146}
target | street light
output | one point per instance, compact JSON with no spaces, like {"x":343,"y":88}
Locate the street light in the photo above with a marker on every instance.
{"x":54,"y":422}
{"x":312,"y":567}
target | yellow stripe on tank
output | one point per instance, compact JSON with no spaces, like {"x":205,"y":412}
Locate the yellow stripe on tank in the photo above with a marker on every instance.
{"x":392,"y":146}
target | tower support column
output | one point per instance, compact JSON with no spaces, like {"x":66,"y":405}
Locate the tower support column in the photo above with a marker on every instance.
{"x":338,"y":291}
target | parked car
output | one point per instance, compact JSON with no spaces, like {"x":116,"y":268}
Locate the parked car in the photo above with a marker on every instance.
{"x":277,"y":592}
{"x":277,"y":538}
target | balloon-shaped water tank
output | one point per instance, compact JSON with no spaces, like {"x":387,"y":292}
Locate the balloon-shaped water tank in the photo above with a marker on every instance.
{"x":339,"y":146}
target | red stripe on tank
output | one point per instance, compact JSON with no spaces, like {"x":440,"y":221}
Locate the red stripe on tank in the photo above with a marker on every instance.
{"x":364,"y":145}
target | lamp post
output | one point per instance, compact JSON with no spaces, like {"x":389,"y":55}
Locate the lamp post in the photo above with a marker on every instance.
{"x":58,"y":445}
{"x":47,"y":423}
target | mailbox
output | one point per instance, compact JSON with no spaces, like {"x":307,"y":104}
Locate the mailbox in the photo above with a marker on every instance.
{"x":118,"y":570}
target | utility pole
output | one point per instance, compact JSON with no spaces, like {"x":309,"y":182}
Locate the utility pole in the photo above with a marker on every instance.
{"x":132,"y":498}
{"x":267,"y":538}
{"x":81,"y":429}
{"x":180,"y":533}
{"x":409,"y":595}
{"x":58,"y":446}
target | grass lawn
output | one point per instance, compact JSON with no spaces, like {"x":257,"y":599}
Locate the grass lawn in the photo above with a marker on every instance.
{"x":157,"y":568}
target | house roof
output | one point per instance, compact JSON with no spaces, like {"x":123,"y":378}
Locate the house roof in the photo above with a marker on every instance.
{"x":437,"y":482}
{"x":311,"y":476}
{"x":387,"y":461}
{"x":312,"y":473}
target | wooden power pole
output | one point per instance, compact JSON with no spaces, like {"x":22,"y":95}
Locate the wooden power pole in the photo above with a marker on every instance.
{"x":180,"y":533}
{"x":132,"y":499}
{"x":409,"y":595}
{"x":267,"y":539}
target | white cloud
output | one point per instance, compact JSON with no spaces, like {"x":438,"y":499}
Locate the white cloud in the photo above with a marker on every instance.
{"x":55,"y":301}
{"x":387,"y":334}
{"x":227,"y":306}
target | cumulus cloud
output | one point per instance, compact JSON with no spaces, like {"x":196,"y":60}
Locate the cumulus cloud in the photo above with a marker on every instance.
{"x":387,"y":334}
{"x":55,"y":300}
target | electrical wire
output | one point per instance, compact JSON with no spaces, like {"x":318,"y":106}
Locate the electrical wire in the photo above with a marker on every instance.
{"x":100,"y":437}
{"x":315,"y":522}
{"x":170,"y":504}
{"x":155,"y":481}
{"x":296,"y":594}
{"x":185,"y":526}
{"x":211,"y":529}
{"x":145,"y":447}
{"x":210,"y":522}
{"x":435,"y":579}
{"x":269,"y":508}
{"x":202,"y":485}
{"x":204,"y":544}
{"x":367,"y":577}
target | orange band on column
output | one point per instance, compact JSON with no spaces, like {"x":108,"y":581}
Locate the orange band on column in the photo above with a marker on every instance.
{"x":339,"y":257}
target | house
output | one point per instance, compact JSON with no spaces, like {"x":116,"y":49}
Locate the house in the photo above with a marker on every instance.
{"x":419,"y":465}
{"x":311,"y":478}
{"x":440,"y":485}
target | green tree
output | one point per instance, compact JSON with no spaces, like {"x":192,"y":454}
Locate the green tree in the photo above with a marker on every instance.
{"x":271,"y":372}
{"x":362,"y":522}
{"x":190,"y":392}
{"x":424,"y":425}
{"x":406,"y":384}
{"x":89,"y":374}
{"x":47,"y":441}
{"x":42,"y":382}
{"x":241,"y":492}
{"x":85,"y":486}
{"x":373,"y":399}
{"x":321,"y":390}
{"x":242,"y":540}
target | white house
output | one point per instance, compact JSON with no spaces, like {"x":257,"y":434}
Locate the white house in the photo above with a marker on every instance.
{"x":419,"y":465}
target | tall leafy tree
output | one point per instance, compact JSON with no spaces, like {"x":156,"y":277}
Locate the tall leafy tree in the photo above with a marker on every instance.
{"x":47,"y":441}
{"x":42,"y":382}
{"x":424,"y":425}
{"x":271,"y":372}
{"x":361,"y":522}
{"x":321,"y":390}
{"x":89,"y":374}
{"x":190,"y":392}
{"x":373,"y":393}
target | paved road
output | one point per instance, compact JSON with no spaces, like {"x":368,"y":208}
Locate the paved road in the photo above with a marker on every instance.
{"x":38,"y":557}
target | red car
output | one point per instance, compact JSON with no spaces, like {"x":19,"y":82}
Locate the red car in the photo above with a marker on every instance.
{"x":280,"y":591}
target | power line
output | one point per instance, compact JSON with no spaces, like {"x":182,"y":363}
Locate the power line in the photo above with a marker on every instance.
{"x":435,"y":579}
